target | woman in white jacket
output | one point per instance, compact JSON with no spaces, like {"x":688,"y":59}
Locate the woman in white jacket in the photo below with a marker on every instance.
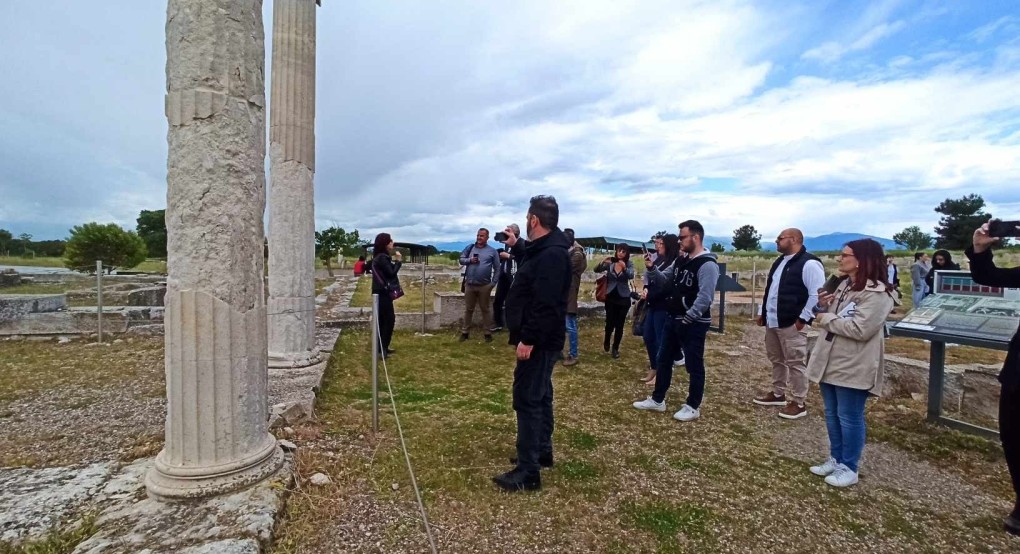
{"x":847,"y":360}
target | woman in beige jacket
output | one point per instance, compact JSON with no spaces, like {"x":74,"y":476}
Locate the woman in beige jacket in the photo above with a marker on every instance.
{"x":848,"y":357}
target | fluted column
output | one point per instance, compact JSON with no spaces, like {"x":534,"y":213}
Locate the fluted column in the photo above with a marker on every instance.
{"x":216,"y":359}
{"x":291,"y":192}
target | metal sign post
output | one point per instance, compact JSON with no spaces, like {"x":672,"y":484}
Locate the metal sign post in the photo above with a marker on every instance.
{"x":423,"y":263}
{"x":99,"y":299}
{"x":375,"y":363}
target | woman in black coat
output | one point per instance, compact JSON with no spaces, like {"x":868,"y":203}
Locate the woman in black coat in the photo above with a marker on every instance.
{"x":941,"y":260}
{"x":984,"y":272}
{"x":386,"y":262}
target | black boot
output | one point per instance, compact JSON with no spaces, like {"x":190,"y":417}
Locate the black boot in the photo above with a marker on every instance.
{"x":544,"y":460}
{"x":518,"y":480}
{"x":1012,"y":525}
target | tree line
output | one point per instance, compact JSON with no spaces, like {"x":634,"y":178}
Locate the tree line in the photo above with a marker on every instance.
{"x":959,"y":218}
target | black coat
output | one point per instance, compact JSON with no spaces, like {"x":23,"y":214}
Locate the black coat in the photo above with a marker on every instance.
{"x":984,"y":272}
{"x":384,"y":269}
{"x":536,"y":305}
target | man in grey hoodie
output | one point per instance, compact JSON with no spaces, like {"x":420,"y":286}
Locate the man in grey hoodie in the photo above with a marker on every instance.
{"x":691,"y":289}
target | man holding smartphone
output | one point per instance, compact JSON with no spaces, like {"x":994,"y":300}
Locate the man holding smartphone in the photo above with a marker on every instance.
{"x":507,"y":269}
{"x":481,"y":273}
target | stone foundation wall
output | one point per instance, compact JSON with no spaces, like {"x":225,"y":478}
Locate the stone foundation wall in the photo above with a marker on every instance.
{"x":16,"y":306}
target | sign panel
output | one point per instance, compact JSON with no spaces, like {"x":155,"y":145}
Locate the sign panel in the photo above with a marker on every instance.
{"x":960,"y":307}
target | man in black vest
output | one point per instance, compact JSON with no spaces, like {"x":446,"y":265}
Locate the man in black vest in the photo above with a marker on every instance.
{"x":690,"y":286}
{"x":790,"y":293}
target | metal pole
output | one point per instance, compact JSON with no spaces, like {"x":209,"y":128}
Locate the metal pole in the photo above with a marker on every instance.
{"x":754,"y":292}
{"x":375,"y":363}
{"x":99,"y":299}
{"x":423,"y":263}
{"x":936,"y":378}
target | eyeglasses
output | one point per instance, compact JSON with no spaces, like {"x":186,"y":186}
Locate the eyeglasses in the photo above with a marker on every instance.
{"x":783,"y":238}
{"x":685,"y":237}
{"x":845,"y":255}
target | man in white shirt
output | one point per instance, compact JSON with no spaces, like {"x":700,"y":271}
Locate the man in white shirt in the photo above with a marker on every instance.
{"x":790,"y":294}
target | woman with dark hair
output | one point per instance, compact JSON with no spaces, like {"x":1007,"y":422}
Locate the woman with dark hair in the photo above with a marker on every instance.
{"x":941,"y":260}
{"x":667,"y":250}
{"x":848,"y":358}
{"x":984,"y":272}
{"x":386,"y":262}
{"x":619,"y":271}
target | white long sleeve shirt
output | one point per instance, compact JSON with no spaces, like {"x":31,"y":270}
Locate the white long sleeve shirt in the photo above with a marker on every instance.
{"x":813,"y":275}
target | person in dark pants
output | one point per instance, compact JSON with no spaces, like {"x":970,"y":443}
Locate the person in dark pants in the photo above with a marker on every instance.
{"x":535,"y":310}
{"x":619,"y":271}
{"x":386,"y":262}
{"x":984,"y":272}
{"x":508,"y":266}
{"x":667,"y":251}
{"x":690,"y":286}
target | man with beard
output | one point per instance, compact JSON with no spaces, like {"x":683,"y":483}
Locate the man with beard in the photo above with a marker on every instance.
{"x":536,"y":306}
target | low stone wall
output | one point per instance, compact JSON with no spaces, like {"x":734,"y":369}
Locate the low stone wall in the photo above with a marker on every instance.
{"x":16,"y":306}
{"x":84,"y":321}
{"x":9,"y":278}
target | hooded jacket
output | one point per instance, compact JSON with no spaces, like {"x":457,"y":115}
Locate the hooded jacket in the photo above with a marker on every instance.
{"x":536,"y":304}
{"x":949,"y":265}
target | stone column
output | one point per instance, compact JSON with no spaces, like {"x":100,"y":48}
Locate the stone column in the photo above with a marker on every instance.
{"x":291,"y":196}
{"x":215,"y":320}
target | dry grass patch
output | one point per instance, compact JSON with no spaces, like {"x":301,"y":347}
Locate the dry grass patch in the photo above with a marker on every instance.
{"x":624,"y":480}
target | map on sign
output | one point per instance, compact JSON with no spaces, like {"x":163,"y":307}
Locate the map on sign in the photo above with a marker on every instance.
{"x":964,"y":308}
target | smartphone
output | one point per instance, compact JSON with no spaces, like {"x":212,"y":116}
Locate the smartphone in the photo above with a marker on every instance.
{"x":998,"y":228}
{"x":831,"y":283}
{"x":501,"y":236}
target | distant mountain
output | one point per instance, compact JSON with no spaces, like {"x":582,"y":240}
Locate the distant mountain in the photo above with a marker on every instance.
{"x":458,"y":246}
{"x":832,"y":241}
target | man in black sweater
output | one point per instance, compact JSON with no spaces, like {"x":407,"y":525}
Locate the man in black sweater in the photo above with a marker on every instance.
{"x":536,"y":306}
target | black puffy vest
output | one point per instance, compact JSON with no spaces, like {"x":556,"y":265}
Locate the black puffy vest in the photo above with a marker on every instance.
{"x":793,"y":293}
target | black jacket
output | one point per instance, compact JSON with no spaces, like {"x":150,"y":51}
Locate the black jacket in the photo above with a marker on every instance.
{"x":984,"y":272}
{"x":536,"y":305}
{"x":384,"y":269}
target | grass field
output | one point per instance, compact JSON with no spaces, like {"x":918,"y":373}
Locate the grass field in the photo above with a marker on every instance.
{"x":624,"y":481}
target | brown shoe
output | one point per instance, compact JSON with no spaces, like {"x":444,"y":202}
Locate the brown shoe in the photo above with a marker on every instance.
{"x":793,"y":410}
{"x":569,"y":361}
{"x":770,"y":399}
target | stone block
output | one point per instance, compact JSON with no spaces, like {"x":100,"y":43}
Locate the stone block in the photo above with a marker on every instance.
{"x":14,"y":306}
{"x":147,"y":296}
{"x":9,"y":278}
{"x":981,"y":390}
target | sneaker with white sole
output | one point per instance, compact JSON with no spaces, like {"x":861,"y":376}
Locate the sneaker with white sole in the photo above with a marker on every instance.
{"x":649,"y":404}
{"x":687,"y":413}
{"x":825,"y":469}
{"x":679,"y":362}
{"x":842,"y":477}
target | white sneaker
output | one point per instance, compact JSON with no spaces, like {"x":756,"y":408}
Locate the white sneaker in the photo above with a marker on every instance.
{"x":679,"y":362}
{"x":842,"y":477}
{"x":649,"y":404}
{"x":825,"y":469}
{"x":687,"y":413}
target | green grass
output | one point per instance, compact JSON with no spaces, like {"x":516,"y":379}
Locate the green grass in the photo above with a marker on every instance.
{"x":412,"y":299}
{"x":60,"y":540}
{"x":151,"y":265}
{"x":623,"y":481}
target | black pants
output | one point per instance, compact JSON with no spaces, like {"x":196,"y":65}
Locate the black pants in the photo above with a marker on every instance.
{"x":502,"y":288}
{"x":616,"y":316}
{"x":1009,"y":433}
{"x":387,"y":317}
{"x":533,"y":402}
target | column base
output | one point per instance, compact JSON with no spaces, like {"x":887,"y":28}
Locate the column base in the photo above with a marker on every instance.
{"x":284,"y":360}
{"x":166,"y":482}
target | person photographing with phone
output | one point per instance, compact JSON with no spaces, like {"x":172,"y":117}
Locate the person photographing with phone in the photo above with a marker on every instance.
{"x":984,"y":272}
{"x":481,"y":273}
{"x":507,"y":268}
{"x":619,"y":271}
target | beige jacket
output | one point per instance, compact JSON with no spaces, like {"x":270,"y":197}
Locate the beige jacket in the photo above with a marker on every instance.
{"x":854,"y":355}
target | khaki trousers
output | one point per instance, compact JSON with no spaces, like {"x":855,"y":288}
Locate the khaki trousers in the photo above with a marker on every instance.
{"x":787,"y":350}
{"x":479,"y":295}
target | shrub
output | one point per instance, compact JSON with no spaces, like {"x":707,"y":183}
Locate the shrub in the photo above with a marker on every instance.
{"x":109,"y":243}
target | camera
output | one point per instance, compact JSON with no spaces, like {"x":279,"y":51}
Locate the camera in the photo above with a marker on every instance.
{"x":997,"y":228}
{"x":501,"y":236}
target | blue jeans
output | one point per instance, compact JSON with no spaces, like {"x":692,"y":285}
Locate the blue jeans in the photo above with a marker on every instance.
{"x":655,"y":323}
{"x":689,"y":339}
{"x":844,"y":419}
{"x":572,"y":334}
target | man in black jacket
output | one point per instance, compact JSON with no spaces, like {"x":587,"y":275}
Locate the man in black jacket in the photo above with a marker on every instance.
{"x":536,"y":306}
{"x":984,"y":272}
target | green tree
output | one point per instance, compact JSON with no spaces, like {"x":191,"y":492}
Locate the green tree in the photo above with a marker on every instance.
{"x":6,"y":238}
{"x":959,"y":219}
{"x":716,"y":247}
{"x":109,"y":243}
{"x":152,"y":229}
{"x":25,"y":244}
{"x":333,"y":240}
{"x":912,"y":238}
{"x":746,"y":238}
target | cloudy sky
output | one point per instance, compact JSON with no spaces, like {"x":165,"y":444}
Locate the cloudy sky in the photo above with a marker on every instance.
{"x":435,"y":118}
